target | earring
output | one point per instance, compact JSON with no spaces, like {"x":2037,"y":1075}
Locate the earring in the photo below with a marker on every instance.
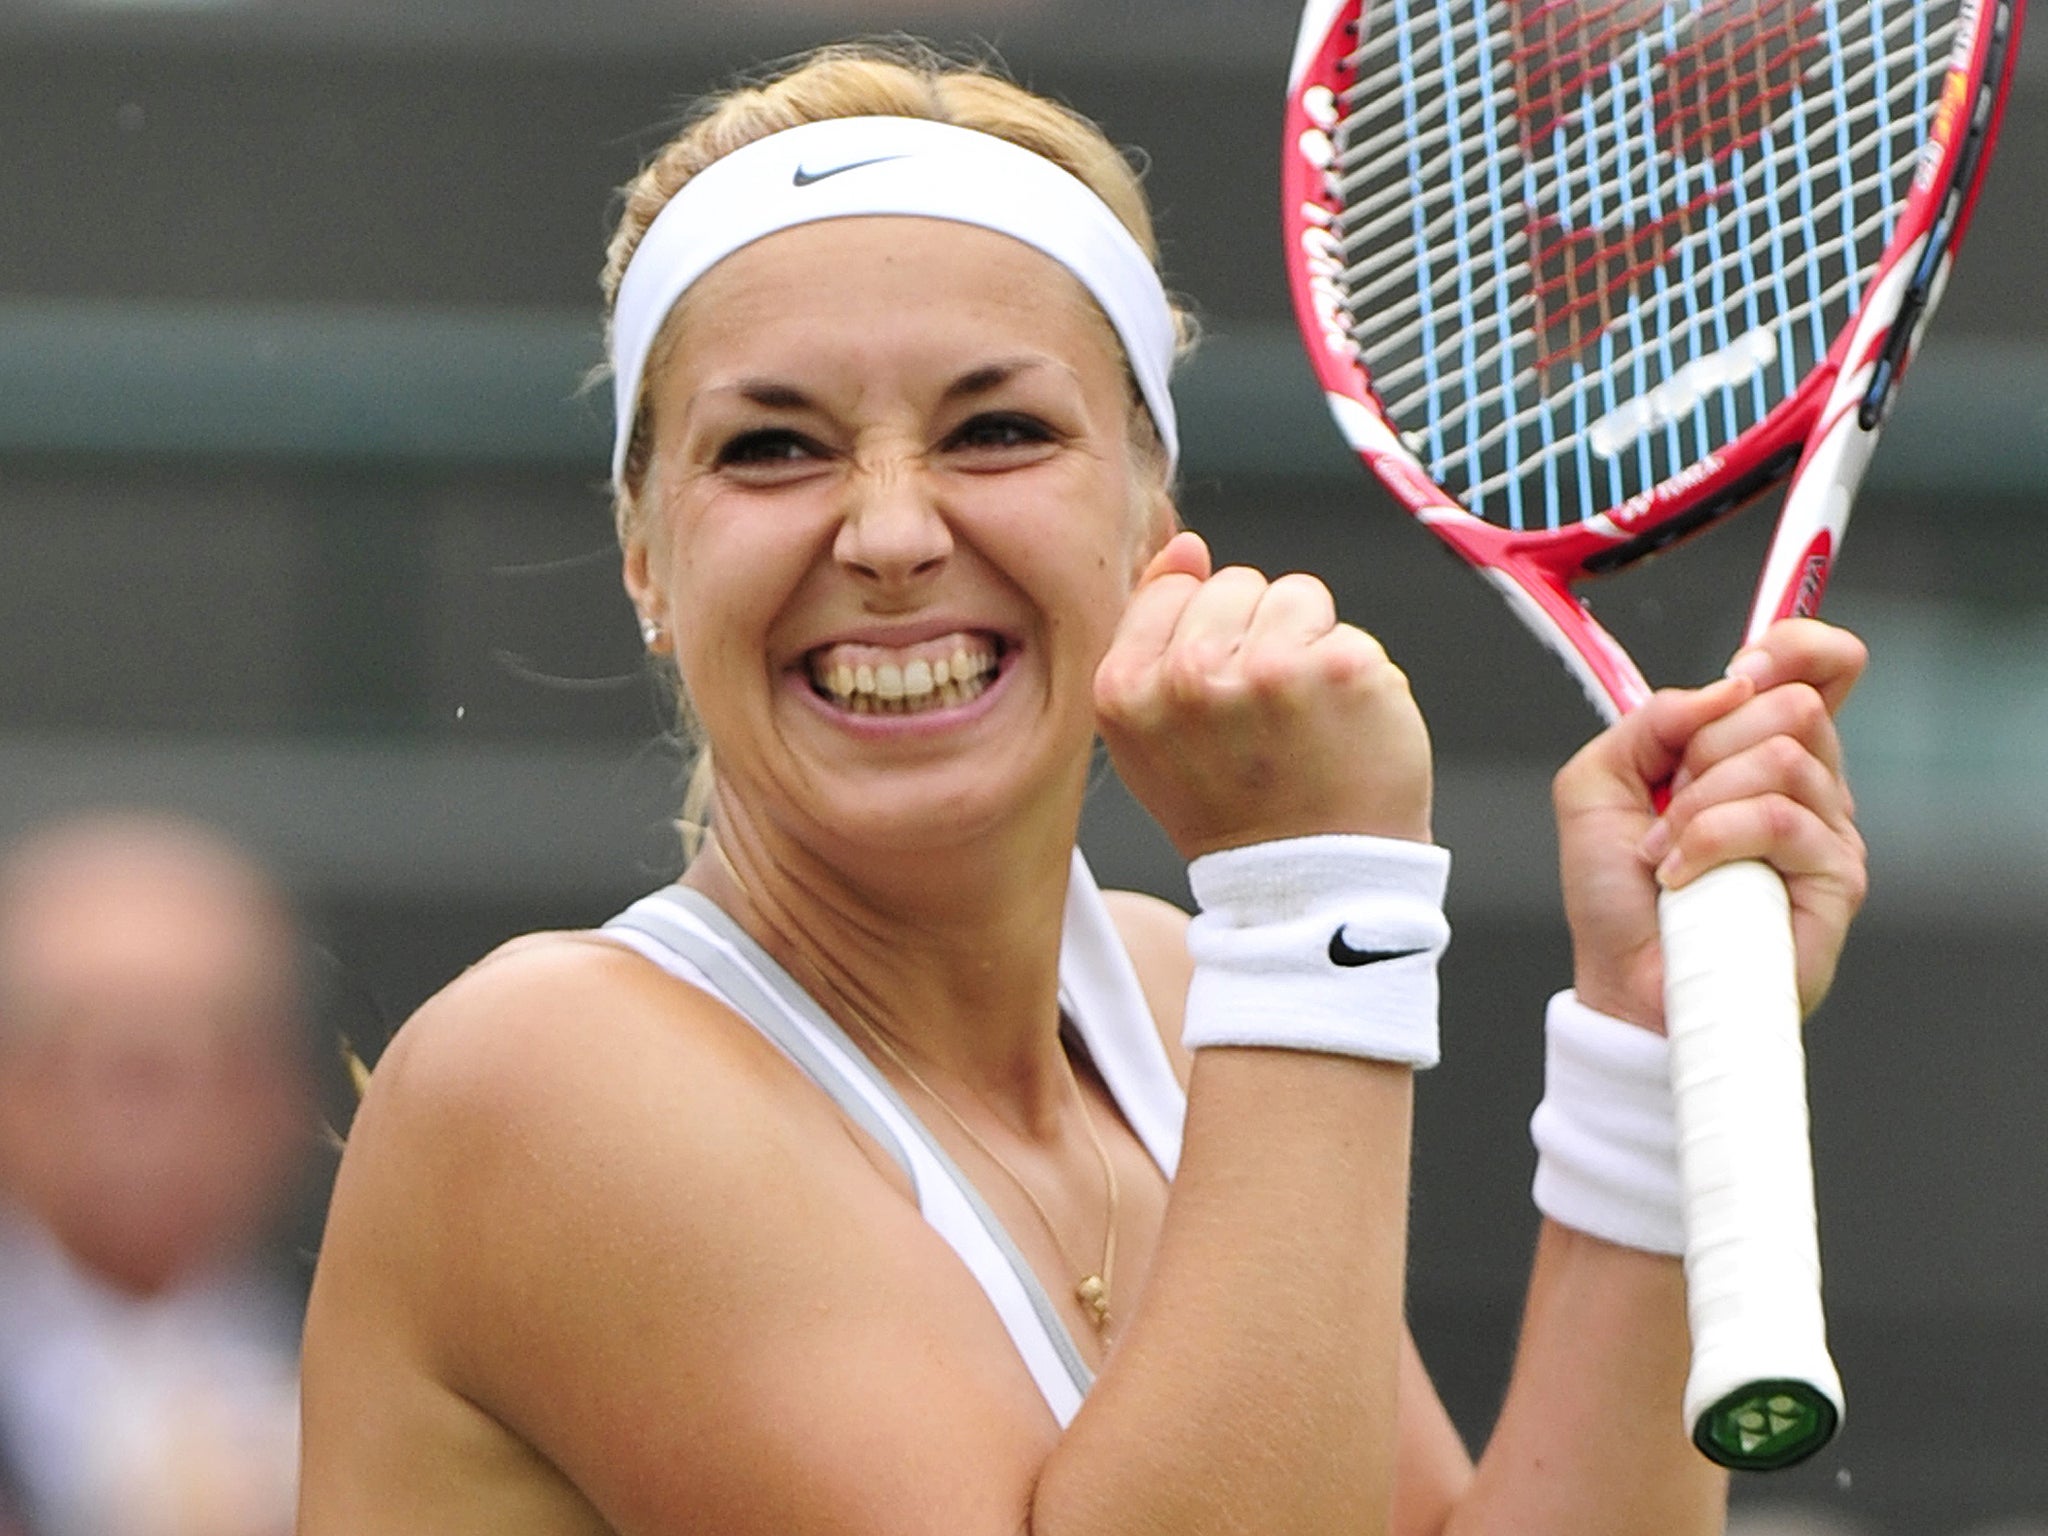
{"x":649,"y":632}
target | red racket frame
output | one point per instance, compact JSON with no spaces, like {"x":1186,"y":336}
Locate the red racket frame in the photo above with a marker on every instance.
{"x":1536,"y":569}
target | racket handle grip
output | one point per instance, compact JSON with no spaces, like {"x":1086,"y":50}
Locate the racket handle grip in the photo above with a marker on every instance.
{"x":1763,"y":1392}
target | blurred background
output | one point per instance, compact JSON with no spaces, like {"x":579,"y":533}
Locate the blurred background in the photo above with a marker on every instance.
{"x":303,"y":532}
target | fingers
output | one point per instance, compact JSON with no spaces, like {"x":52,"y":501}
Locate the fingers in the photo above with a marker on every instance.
{"x":1650,"y":745}
{"x":1294,"y":610}
{"x":1792,"y":681}
{"x":1778,"y":804}
{"x":1239,"y":709}
{"x":1777,"y":747}
{"x":1778,"y":764}
{"x":1795,"y":710}
{"x":1212,"y":635}
{"x":1215,"y":626}
{"x":1803,"y":671}
{"x":1828,"y":659}
{"x":1242,"y":632}
{"x":1764,"y":781}
{"x":1777,"y":829}
{"x":1789,"y":684}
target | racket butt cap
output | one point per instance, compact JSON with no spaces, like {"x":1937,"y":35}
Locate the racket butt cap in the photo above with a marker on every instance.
{"x":1767,"y":1424}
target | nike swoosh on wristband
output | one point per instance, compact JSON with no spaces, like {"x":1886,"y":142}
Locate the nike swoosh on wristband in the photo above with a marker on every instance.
{"x":1343,"y":954}
{"x":804,"y":178}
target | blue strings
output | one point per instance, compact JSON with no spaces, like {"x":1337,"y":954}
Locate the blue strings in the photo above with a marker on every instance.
{"x":1692,"y":228}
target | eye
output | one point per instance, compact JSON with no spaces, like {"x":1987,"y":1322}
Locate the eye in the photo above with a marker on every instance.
{"x":999,"y":430}
{"x":767,"y":448}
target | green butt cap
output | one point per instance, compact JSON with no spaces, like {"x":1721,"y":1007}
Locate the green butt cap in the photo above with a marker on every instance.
{"x":1765,"y":1425}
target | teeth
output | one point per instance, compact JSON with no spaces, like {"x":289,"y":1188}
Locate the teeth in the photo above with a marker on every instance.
{"x":896,"y":687}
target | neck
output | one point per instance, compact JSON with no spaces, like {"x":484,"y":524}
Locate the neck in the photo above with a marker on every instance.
{"x":954,"y":960}
{"x":946,"y":971}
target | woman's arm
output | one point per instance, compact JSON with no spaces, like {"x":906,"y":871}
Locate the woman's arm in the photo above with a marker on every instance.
{"x":1432,"y":1467}
{"x":1591,"y":1438}
{"x":1258,"y":1384}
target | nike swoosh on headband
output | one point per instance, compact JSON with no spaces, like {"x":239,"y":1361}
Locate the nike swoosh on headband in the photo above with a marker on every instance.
{"x":804,"y":178}
{"x":1343,"y":954}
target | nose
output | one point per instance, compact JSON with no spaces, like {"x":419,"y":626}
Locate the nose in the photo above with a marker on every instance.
{"x":893,"y":533}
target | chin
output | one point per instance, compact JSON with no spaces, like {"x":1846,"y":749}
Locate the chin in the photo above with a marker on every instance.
{"x":954,"y":808}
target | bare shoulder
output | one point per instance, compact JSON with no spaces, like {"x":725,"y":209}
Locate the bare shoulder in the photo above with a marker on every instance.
{"x":503,"y":1164}
{"x":527,"y":1030}
{"x":506,"y":1062}
{"x":599,"y":1250}
{"x":1153,"y":930}
{"x":557,"y":1074}
{"x":1155,"y":936}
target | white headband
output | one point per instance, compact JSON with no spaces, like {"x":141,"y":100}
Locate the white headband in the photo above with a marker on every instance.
{"x":854,"y":167}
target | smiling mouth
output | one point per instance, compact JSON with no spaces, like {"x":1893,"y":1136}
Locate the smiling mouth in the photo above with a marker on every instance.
{"x":917,"y":679}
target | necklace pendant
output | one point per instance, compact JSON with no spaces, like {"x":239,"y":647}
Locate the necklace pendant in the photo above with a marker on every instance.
{"x":1094,"y":1295}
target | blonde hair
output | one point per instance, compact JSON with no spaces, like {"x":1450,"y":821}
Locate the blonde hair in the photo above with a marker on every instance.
{"x":894,"y":78}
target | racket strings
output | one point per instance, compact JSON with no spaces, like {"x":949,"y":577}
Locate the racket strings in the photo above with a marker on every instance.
{"x":1585,"y":244}
{"x":1372,"y":288}
{"x":1372,"y":202}
{"x":1370,"y":280}
{"x":1394,"y":382}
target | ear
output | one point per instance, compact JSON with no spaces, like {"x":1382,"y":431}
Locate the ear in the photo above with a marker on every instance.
{"x":643,"y":586}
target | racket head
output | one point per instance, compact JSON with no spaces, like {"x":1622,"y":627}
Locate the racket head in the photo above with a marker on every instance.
{"x":1579,"y":278}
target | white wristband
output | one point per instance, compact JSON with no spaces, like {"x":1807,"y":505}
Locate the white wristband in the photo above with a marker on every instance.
{"x":1319,"y":944}
{"x":1606,"y":1134}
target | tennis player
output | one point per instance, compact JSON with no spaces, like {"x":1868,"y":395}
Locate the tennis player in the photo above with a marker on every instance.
{"x":884,"y":1175}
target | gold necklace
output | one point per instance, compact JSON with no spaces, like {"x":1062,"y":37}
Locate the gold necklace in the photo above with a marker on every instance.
{"x":1093,"y":1289}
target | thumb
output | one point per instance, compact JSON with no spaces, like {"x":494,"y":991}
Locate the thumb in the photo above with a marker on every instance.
{"x":1654,"y":740}
{"x":1185,"y":554}
{"x":1629,"y":762}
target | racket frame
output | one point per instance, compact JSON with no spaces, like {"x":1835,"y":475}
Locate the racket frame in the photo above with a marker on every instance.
{"x":1760,"y":1350}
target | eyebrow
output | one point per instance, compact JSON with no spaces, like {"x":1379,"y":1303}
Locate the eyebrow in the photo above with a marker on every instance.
{"x":993,"y":375}
{"x":779,"y":395}
{"x":771,"y":393}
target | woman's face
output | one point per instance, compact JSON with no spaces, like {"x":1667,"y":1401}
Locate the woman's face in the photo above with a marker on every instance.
{"x":891,"y":519}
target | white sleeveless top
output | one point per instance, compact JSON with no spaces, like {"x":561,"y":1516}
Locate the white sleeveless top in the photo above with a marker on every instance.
{"x":692,"y":938}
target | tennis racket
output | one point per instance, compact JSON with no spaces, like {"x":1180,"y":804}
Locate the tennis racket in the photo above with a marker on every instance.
{"x":1579,"y":278}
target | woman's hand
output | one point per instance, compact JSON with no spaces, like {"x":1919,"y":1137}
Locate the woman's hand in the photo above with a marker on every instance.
{"x":1239,"y":710}
{"x":1755,"y":770}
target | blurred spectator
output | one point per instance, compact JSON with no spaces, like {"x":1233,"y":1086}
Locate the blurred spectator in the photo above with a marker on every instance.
{"x":153,"y":1111}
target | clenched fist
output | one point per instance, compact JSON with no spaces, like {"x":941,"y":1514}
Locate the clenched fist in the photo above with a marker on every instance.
{"x":1239,"y":710}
